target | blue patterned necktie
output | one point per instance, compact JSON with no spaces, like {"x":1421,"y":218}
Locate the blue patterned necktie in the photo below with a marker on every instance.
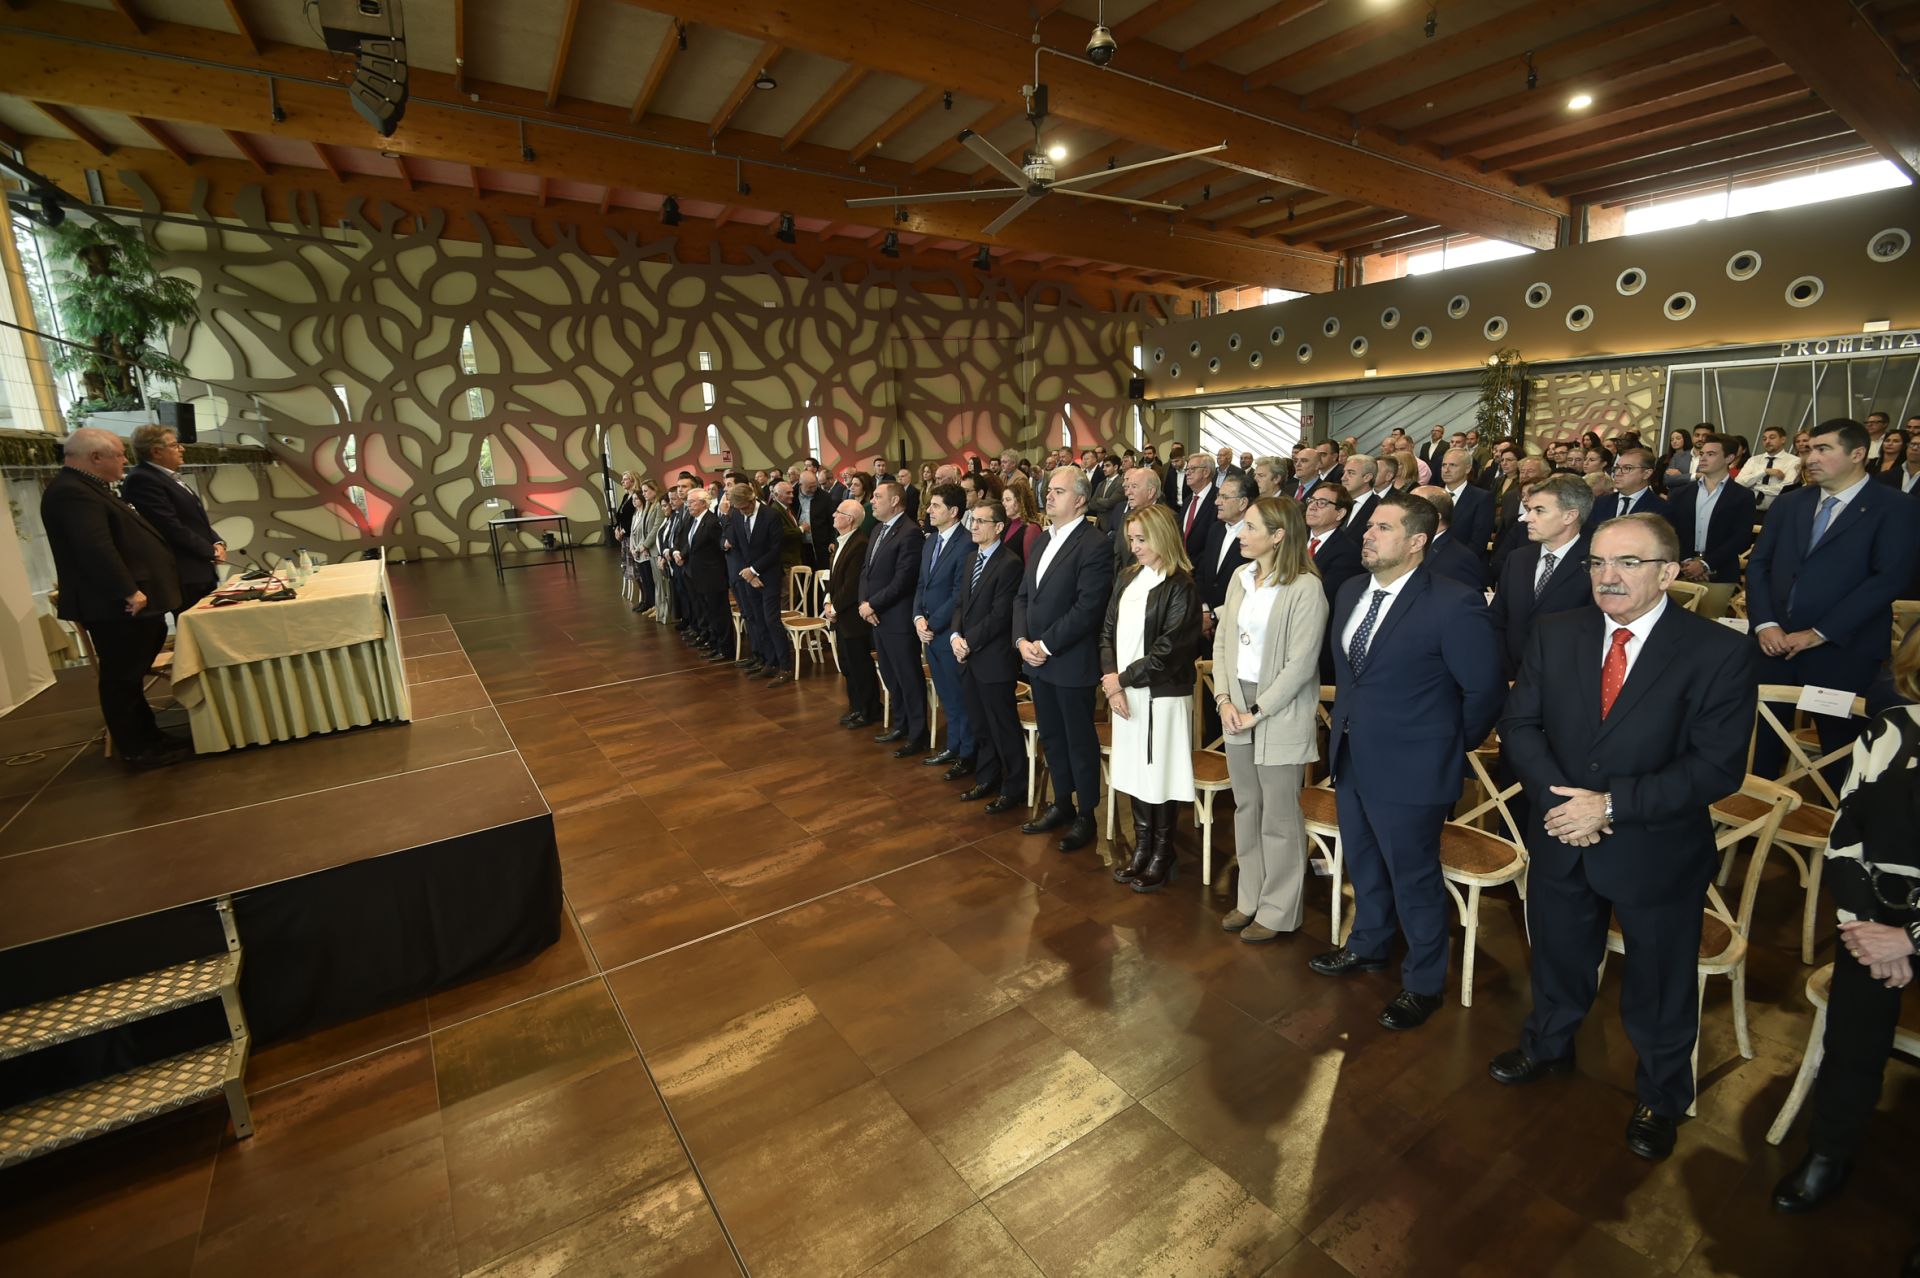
{"x":938,"y":542}
{"x":1821,"y":518}
{"x":979,"y":566}
{"x":1357,"y":650}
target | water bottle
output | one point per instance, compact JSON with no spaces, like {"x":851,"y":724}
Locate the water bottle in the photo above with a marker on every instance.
{"x":304,"y":568}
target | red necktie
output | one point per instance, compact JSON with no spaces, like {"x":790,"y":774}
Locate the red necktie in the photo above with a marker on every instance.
{"x":1613,"y":671}
{"x":1193,"y":508}
{"x":1313,"y":547}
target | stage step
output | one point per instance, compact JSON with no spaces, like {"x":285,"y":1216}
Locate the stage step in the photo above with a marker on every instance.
{"x":61,"y":1020}
{"x":94,"y":1109}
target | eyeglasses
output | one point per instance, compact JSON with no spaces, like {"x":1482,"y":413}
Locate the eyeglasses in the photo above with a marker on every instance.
{"x":1321,"y":501}
{"x":1625,"y":563}
{"x":1624,"y":467}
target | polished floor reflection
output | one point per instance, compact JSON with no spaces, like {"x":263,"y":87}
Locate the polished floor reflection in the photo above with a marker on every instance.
{"x":813,"y":1016}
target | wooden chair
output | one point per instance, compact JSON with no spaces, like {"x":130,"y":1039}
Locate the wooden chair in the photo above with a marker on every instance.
{"x":1687,"y":594}
{"x":1209,"y":767}
{"x":802,"y":622}
{"x":1723,"y":936}
{"x":1475,"y":859}
{"x":1803,"y":836}
{"x":1905,"y":613}
{"x":1906,"y":1041}
{"x":1322,"y":817}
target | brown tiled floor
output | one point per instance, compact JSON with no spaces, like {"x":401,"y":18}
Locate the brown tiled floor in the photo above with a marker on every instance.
{"x":812,"y":1016}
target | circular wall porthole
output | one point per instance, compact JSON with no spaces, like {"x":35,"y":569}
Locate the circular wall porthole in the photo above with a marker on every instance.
{"x":1159,"y":354}
{"x":1458,"y":305}
{"x":1213,"y":365}
{"x":1422,"y":338}
{"x":1276,"y":335}
{"x":1679,"y":306}
{"x":1579,"y":318}
{"x":1390,"y":318}
{"x":1304,"y":354}
{"x":1631,"y":281}
{"x":1173,"y":371}
{"x":1805,"y":291}
{"x":1358,"y":346}
{"x":1233,"y":341}
{"x":1193,"y":348}
{"x":1331,"y":326}
{"x":1254,"y":359}
{"x":1538,"y":295}
{"x":1495,"y":328}
{"x":1743,"y":266}
{"x":1889,"y":245}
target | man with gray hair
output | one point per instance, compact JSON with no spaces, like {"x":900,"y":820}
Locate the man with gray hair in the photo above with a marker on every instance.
{"x":155,"y":489}
{"x":1197,"y":515}
{"x":118,"y":582}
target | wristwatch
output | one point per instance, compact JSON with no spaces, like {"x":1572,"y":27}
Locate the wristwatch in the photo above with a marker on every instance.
{"x":1609,"y":798}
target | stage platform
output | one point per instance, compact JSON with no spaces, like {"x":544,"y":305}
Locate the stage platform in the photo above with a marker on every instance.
{"x":366,"y":867}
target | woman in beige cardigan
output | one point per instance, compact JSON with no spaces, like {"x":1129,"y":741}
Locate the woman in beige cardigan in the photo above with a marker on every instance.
{"x":1266,"y":666}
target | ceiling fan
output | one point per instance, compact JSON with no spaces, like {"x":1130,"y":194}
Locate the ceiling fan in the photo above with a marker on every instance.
{"x":1036,"y":177}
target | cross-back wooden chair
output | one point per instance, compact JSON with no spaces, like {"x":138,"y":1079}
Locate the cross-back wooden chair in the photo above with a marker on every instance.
{"x":1321,"y":814}
{"x":1474,"y":858}
{"x":1209,"y":766}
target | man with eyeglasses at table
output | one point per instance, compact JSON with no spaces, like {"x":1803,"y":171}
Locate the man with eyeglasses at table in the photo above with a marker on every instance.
{"x":1633,"y":472}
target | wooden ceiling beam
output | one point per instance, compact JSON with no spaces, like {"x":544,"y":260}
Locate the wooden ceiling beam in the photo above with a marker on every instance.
{"x":1271,"y":18}
{"x":1376,"y":237}
{"x":656,"y":73}
{"x":992,"y":120}
{"x":1844,"y":60}
{"x":1149,"y":19}
{"x":1827,"y":128}
{"x":769,"y":52}
{"x":823,"y":105}
{"x":1722,"y":111}
{"x":248,"y":151}
{"x":1799,"y":107}
{"x":327,"y":161}
{"x":1342,"y":41}
{"x":916,"y":107}
{"x":1296,"y":219}
{"x":165,"y":140}
{"x":568,"y":19}
{"x":133,"y":16}
{"x":459,"y":46}
{"x":74,"y":125}
{"x":242,"y":26}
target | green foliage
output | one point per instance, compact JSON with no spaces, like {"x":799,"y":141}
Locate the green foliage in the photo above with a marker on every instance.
{"x":1502,"y":397}
{"x":113,"y":299}
{"x":31,"y":448}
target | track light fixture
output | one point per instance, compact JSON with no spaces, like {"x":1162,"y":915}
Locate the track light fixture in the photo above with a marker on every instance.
{"x":890,"y":246}
{"x":1206,"y":193}
{"x":669,"y":212}
{"x":946,"y":99}
{"x":785,"y":234}
{"x":526,"y":152}
{"x":1432,"y":28}
{"x":1533,"y":76}
{"x":765,"y":81}
{"x":682,"y":28}
{"x":1264,"y":199}
{"x":983,"y":260}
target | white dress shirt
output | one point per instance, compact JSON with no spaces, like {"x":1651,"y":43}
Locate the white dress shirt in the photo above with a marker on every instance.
{"x":1559,"y":553}
{"x":1752,"y":475}
{"x":1256,"y":610}
{"x":1909,"y":479}
{"x":1641,"y":629}
{"x":1228,"y":537}
{"x":1393,"y":589}
{"x":1057,"y":538}
{"x":1704,"y":500}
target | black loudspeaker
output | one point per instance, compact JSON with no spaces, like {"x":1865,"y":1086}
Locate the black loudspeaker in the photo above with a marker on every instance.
{"x":177,"y":417}
{"x":1136,"y":388}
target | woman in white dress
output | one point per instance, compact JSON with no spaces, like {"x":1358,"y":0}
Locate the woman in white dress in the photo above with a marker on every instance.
{"x":1266,"y":667}
{"x":1147,"y":649}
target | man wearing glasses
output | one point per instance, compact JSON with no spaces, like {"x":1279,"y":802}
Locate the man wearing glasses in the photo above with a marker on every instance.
{"x":155,"y":489}
{"x":1632,"y":474}
{"x":1627,"y":720}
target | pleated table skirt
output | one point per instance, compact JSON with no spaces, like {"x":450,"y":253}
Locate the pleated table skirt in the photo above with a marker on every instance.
{"x":286,"y":698}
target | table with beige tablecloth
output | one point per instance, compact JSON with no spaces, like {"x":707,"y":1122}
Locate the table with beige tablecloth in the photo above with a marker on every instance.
{"x":260,"y":671}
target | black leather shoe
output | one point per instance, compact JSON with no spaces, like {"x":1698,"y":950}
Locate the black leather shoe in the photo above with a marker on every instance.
{"x":1005,"y":803}
{"x":888,"y":738}
{"x":159,"y":757}
{"x":1409,"y":1010}
{"x":749,"y":663}
{"x":977,"y":792}
{"x":1650,"y":1135}
{"x":1815,"y":1180}
{"x":935,"y":760}
{"x":859,"y":721}
{"x":717,"y":658}
{"x":1515,"y":1067}
{"x":1343,"y":960}
{"x":780,"y":679}
{"x":1053,"y":818}
{"x":961,"y":768}
{"x":908,"y":749}
{"x":1078,"y":835}
{"x":846,"y":720}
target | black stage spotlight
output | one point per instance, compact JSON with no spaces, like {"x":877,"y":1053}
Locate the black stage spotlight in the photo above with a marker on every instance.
{"x":1432,"y":27}
{"x":785,"y":234}
{"x":890,"y":246}
{"x":683,"y":37}
{"x":669,"y":212}
{"x":1533,"y":76}
{"x":983,"y":260}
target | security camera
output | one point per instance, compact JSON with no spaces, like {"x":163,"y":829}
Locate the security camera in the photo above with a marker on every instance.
{"x":1101,"y":46}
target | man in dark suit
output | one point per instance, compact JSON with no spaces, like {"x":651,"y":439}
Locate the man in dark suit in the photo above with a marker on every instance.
{"x":1633,"y":472}
{"x":909,"y":494}
{"x":1213,"y":568}
{"x":1435,"y":448}
{"x":1306,"y":472}
{"x":1056,"y":628}
{"x":1472,"y":508}
{"x":1357,"y":475}
{"x":1549,"y":573}
{"x":1335,"y":555}
{"x":941,"y":561}
{"x":982,"y":641}
{"x":155,"y":489}
{"x":1628,"y":719}
{"x":1197,"y":515}
{"x":755,"y":531}
{"x":1831,"y":560}
{"x":1714,"y":518}
{"x":853,"y":637}
{"x":812,"y":508}
{"x":703,"y":558}
{"x":887,"y":581}
{"x":1446,"y":555}
{"x":1419,"y":685}
{"x":1109,"y":492}
{"x":118,"y":582}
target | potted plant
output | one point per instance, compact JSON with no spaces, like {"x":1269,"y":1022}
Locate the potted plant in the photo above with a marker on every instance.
{"x":1502,"y":410}
{"x":118,"y":306}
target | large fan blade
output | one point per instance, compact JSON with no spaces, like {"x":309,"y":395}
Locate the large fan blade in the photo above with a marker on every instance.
{"x":1121,"y":199}
{"x":937,"y":197}
{"x":985,"y":150}
{"x":1144,"y":164}
{"x":999,"y":223}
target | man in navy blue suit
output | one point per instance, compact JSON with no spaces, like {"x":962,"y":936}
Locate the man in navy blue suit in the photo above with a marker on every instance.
{"x":1447,"y":555}
{"x":1056,"y":630}
{"x":1714,"y":517}
{"x":1418,"y":679}
{"x":1549,"y":573}
{"x":1832,"y":558}
{"x":982,"y":641}
{"x":1633,"y":472}
{"x":155,"y":489}
{"x":887,"y":582}
{"x":933,"y":602}
{"x":1472,"y":508}
{"x":754,"y":530}
{"x":1335,"y":553}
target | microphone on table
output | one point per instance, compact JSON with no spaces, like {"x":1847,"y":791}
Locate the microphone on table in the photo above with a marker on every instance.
{"x":259,"y":572}
{"x":274,"y":588}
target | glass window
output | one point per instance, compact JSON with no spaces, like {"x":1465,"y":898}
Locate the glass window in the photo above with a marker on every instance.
{"x":1760,"y":196}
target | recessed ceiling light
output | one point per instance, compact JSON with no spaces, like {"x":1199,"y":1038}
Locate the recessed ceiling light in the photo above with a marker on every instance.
{"x":1056,"y":153}
{"x":1265,"y":199}
{"x":1579,"y":102}
{"x":765,"y":81}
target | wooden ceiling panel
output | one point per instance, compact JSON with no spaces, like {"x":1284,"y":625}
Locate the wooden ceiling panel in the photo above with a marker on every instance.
{"x":699,"y":80}
{"x":1828,"y":130}
{"x":613,"y":46}
{"x":1584,"y":159}
{"x":1258,"y":24}
{"x":506,"y":43}
{"x":877,"y":99}
{"x":804,"y":78}
{"x":1725,"y":112}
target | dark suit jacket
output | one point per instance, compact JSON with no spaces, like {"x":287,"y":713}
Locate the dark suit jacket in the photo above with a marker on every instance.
{"x":1431,"y":451}
{"x":1108,"y":496}
{"x":939,"y":586}
{"x":818,"y":547}
{"x":1647,"y":503}
{"x":843,"y":586}
{"x":984,"y":617}
{"x":1173,"y":487}
{"x":1430,"y":690}
{"x":759,"y":551}
{"x":706,"y":561}
{"x":1450,"y":557}
{"x":1846,"y":585}
{"x":1065,"y":611}
{"x":1356,"y":525}
{"x":1674,"y":742}
{"x":911,"y":495}
{"x":889,"y":573}
{"x":1205,"y":517}
{"x":1212,"y":581}
{"x":1515,"y":609}
{"x":103,"y":551}
{"x":1729,"y":527}
{"x":181,"y":519}
{"x":1472,"y":520}
{"x":1339,"y":559}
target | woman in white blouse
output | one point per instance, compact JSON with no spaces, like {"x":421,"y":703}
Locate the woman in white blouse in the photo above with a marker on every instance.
{"x":1266,"y":666}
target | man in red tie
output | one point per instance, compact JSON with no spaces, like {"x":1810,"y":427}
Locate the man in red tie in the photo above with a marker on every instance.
{"x":1627,"y":720}
{"x":1198,"y":515}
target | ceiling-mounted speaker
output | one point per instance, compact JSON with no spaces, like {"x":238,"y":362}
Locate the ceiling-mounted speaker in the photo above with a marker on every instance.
{"x":1136,"y":388}
{"x":176,"y":417}
{"x":375,"y":33}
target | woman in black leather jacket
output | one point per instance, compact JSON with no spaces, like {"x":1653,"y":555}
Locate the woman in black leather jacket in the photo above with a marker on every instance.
{"x":1147,"y":649}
